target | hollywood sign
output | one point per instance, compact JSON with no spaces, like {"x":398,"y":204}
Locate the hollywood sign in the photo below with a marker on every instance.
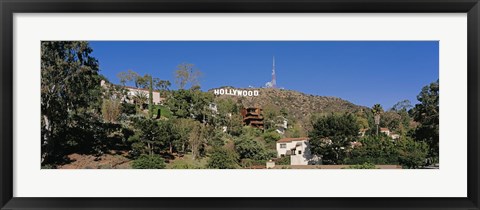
{"x":235,"y":92}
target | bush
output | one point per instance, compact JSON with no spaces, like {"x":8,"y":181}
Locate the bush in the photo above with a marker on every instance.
{"x":149,"y":162}
{"x":378,"y":150}
{"x":362,"y":166}
{"x":251,"y":149}
{"x":222,"y":158}
{"x":412,"y":154}
{"x":183,"y":165}
{"x":271,"y":136}
{"x":283,"y":161}
{"x":247,"y":163}
{"x":128,"y":109}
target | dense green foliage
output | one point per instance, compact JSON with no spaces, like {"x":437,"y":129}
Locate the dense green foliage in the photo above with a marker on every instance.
{"x":375,"y":149}
{"x":331,"y":136}
{"x":362,"y":166}
{"x":427,"y":114}
{"x":70,"y":100}
{"x":283,"y":161}
{"x":190,"y":104}
{"x":222,"y":158}
{"x":150,"y":135}
{"x":251,"y":149}
{"x":412,"y":153}
{"x":149,"y":162}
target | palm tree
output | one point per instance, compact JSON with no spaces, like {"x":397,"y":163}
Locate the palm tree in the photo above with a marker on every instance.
{"x":377,"y":111}
{"x":140,"y":98}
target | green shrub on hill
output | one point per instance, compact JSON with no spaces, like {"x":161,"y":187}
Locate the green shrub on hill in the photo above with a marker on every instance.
{"x":149,"y":162}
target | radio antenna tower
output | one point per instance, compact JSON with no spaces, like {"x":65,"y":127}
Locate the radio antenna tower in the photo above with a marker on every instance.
{"x":274,"y":77}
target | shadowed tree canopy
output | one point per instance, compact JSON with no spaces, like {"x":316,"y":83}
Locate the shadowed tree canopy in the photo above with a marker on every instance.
{"x":331,"y":135}
{"x":70,"y":86}
{"x":427,"y":114}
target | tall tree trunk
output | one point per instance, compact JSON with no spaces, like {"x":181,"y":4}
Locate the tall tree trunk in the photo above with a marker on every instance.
{"x":149,"y":149}
{"x":46,"y":137}
{"x":150,"y":98}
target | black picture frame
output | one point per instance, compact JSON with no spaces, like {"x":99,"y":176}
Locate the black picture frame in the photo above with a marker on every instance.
{"x":10,"y":7}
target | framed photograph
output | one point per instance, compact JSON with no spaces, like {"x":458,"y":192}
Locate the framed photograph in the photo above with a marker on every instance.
{"x":239,"y":105}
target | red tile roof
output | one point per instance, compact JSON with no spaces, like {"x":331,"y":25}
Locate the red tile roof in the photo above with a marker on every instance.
{"x":292,"y":139}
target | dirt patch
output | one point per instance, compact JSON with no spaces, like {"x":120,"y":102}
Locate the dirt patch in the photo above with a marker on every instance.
{"x":114,"y":160}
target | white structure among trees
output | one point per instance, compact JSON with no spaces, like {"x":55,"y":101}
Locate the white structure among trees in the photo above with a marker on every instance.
{"x":298,"y":149}
{"x":132,"y":92}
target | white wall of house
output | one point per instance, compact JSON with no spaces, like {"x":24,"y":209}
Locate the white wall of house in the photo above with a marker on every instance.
{"x":133,"y":91}
{"x":300,"y":153}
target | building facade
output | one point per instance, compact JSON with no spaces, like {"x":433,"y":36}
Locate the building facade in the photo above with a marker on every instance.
{"x":298,"y":149}
{"x":132,"y":92}
{"x":252,"y":116}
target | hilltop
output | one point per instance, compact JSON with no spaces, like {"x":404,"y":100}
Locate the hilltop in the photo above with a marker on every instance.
{"x":299,"y":106}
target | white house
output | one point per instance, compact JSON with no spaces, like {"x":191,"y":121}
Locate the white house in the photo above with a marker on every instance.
{"x":298,"y":149}
{"x":133,"y":91}
{"x":390,"y":134}
{"x":282,"y":127}
{"x":386,"y":131}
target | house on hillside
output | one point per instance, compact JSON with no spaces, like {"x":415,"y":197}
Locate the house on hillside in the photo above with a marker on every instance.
{"x":252,"y":116}
{"x":281,"y":125}
{"x":389,"y":133}
{"x":386,"y":131}
{"x":298,"y":149}
{"x":362,"y":132}
{"x":133,"y":91}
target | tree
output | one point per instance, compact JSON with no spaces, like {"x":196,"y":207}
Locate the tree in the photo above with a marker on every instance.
{"x":197,"y":140}
{"x":128,"y":76}
{"x":111,"y":110}
{"x":146,"y":82}
{"x":427,"y":114}
{"x":362,"y":119}
{"x":377,"y":110}
{"x":149,"y":134}
{"x":162,"y":85}
{"x":140,"y":98}
{"x":150,"y":95}
{"x":149,"y":162}
{"x":182,"y":129}
{"x":402,"y":105}
{"x":331,"y":135}
{"x":225,"y":108}
{"x":185,"y":74}
{"x":270,"y":114}
{"x":222,"y":158}
{"x":412,"y":154}
{"x":70,"y":86}
{"x":190,"y":104}
{"x":272,"y":137}
{"x":167,"y":133}
{"x":375,"y":150}
{"x":391,"y":120}
{"x":111,"y":103}
{"x":250,"y":149}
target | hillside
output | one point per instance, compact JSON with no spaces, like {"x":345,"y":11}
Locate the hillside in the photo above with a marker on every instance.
{"x":299,"y":106}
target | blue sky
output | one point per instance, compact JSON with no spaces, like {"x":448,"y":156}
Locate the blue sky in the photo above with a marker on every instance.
{"x":362,"y":72}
